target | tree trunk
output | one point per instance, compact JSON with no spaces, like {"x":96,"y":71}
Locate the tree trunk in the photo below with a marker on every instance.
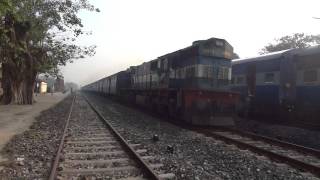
{"x":29,"y":80}
{"x":18,"y":70}
{"x":28,"y":88}
{"x":17,"y":97}
{"x":6,"y":84}
{"x":18,"y":86}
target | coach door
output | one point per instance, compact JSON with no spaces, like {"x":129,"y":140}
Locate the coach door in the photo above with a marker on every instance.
{"x":251,"y":80}
{"x":287,"y":79}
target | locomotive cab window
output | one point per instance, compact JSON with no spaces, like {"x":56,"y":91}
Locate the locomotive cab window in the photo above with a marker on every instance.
{"x":154,"y":65}
{"x":219,"y":43}
{"x":190,"y":71}
{"x":269,"y":77}
{"x":310,"y":75}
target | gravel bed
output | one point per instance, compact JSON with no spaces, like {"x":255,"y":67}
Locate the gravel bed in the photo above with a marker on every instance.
{"x":31,"y":153}
{"x":194,"y":156}
{"x":295,"y":135}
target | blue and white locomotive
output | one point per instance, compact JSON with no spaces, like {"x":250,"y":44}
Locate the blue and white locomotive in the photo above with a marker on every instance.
{"x":190,"y":84}
{"x":283,"y":85}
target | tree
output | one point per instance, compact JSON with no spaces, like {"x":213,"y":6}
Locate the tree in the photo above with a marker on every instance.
{"x":297,"y":40}
{"x":37,"y":36}
{"x":235,"y":56}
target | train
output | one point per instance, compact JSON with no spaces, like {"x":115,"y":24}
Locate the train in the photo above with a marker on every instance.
{"x":282,"y":86}
{"x":191,"y":85}
{"x":203,"y":85}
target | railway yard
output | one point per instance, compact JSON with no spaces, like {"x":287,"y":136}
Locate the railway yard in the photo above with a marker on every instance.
{"x":165,"y":90}
{"x":73,"y":140}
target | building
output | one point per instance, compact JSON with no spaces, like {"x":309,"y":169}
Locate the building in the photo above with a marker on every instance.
{"x":59,"y":85}
{"x":43,"y":87}
{"x":49,"y":84}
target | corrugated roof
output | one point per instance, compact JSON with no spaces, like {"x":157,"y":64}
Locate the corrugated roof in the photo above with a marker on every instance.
{"x":308,"y":51}
{"x":300,"y":52}
{"x":264,"y":57}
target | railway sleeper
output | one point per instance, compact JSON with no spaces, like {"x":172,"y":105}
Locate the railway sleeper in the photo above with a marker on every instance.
{"x":98,"y":161}
{"x":88,"y":143}
{"x":126,"y":170}
{"x":316,"y":164}
{"x":97,"y":156}
{"x":91,"y":149}
{"x":92,"y":134}
{"x":90,"y":139}
{"x":94,"y":154}
{"x":100,"y":164}
{"x":92,"y":142}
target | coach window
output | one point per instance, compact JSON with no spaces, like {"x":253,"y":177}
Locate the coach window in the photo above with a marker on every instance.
{"x":240,"y":80}
{"x":269,"y":77}
{"x":310,"y":75}
{"x":233,"y":80}
{"x":226,"y":74}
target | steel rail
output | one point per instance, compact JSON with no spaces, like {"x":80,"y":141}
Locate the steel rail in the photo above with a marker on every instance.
{"x":272,"y":155}
{"x":53,"y":172}
{"x":147,"y":170}
{"x":281,"y":143}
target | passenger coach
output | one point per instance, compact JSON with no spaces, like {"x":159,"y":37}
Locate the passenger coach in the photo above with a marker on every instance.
{"x":284,"y":84}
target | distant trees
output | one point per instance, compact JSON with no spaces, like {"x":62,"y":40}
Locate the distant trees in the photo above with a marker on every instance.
{"x":297,"y":40}
{"x":71,"y":85}
{"x":235,"y":56}
{"x":37,"y":36}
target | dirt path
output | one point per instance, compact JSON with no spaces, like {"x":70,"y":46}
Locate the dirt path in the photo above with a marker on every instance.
{"x":15,"y":119}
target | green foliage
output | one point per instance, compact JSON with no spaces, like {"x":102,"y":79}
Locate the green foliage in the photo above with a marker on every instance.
{"x":43,"y":29}
{"x":235,"y":56}
{"x":38,"y":36}
{"x":298,"y":40}
{"x":5,"y":5}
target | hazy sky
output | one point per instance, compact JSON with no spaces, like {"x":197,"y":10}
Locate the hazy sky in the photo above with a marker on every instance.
{"x":129,"y":32}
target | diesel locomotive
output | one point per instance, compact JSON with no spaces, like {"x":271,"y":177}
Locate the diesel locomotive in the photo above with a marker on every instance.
{"x":191,"y":84}
{"x":281,"y":86}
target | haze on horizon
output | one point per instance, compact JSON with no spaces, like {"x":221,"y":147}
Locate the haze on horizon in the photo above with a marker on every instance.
{"x":129,"y":33}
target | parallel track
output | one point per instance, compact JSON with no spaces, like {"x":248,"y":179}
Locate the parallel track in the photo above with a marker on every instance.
{"x":95,"y":149}
{"x":302,"y":158}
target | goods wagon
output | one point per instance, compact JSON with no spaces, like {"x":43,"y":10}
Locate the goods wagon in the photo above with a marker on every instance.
{"x":110,"y":85}
{"x":283,"y":85}
{"x":191,"y":84}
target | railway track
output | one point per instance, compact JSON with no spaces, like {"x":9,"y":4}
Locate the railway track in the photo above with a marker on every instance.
{"x":91,"y":148}
{"x":302,"y":158}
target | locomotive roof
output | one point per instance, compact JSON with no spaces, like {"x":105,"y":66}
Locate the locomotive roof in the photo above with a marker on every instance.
{"x":308,"y":51}
{"x":194,"y":44}
{"x":264,"y":57}
{"x":296,"y":52}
